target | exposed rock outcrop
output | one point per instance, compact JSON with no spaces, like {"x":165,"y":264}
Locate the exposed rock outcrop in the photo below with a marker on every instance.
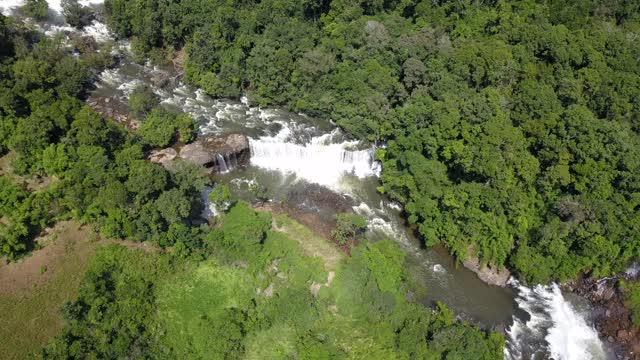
{"x":613,"y":319}
{"x":163,"y":157}
{"x":113,"y":109}
{"x":220,"y":154}
{"x":492,"y":276}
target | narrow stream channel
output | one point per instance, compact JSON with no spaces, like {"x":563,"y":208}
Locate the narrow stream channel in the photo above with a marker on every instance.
{"x":292,"y":153}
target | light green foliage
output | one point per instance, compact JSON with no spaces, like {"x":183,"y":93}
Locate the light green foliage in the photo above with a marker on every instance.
{"x":220,"y":195}
{"x":113,"y":312}
{"x":211,"y":316}
{"x":244,"y":228}
{"x":37,"y":9}
{"x":349,"y":227}
{"x":159,"y":128}
{"x":187,"y":128}
{"x":386,"y":261}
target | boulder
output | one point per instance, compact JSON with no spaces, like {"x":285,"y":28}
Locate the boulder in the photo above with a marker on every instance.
{"x":491,"y":276}
{"x":163,"y":157}
{"x":220,"y":154}
{"x":196,"y":153}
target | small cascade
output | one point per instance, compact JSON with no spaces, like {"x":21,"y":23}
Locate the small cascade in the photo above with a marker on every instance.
{"x":222,"y":163}
{"x":554,"y":329}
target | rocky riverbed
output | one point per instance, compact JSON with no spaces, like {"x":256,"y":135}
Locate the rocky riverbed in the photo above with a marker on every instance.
{"x":612,"y":318}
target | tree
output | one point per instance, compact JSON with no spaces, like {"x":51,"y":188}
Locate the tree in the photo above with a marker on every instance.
{"x":159,"y":128}
{"x":37,"y":9}
{"x":76,"y":14}
{"x":220,"y":196}
{"x":348,"y":227}
{"x":142,"y":100}
{"x":260,"y":192}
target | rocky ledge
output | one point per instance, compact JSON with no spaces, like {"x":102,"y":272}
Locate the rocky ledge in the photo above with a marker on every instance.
{"x":217,"y":154}
{"x":493,"y":276}
{"x":612,"y":317}
{"x":113,"y":109}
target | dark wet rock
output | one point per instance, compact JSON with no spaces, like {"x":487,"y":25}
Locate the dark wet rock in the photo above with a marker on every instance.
{"x":220,"y":154}
{"x":612,"y":318}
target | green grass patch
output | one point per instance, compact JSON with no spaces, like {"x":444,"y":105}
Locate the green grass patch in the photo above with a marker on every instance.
{"x":32,"y":318}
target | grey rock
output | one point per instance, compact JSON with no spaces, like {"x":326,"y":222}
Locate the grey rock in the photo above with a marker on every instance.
{"x":218,"y":153}
{"x":492,"y":276}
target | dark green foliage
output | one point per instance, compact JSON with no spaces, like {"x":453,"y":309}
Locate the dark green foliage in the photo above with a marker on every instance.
{"x":37,"y":9}
{"x":348,"y":227}
{"x":512,"y":127}
{"x":76,"y":14}
{"x":259,"y":192}
{"x":142,"y":100}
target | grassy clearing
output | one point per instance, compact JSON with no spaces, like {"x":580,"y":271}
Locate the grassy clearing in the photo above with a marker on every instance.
{"x":312,"y":244}
{"x":33,"y":290}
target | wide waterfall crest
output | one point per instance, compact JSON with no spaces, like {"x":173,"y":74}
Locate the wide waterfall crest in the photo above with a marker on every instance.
{"x":319,"y":161}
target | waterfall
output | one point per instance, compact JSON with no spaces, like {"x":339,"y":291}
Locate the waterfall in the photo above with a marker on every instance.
{"x":318,"y":161}
{"x":554,"y":328}
{"x":222,"y":164}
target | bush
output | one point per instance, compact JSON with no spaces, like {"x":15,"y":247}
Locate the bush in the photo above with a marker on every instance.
{"x":349,"y":227}
{"x":142,"y":100}
{"x":75,"y":14}
{"x":37,"y":9}
{"x":159,"y":129}
{"x":187,"y":128}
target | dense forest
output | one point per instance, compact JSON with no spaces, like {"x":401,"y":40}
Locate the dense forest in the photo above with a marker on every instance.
{"x":510,"y":127}
{"x":193,"y":294}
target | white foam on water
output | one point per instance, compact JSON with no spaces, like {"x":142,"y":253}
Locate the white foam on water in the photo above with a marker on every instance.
{"x":439,"y":269}
{"x":8,"y":6}
{"x":209,"y":211}
{"x":555,"y":327}
{"x":318,"y":161}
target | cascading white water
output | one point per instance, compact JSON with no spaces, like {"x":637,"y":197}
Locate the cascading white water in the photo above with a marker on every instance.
{"x":555,"y":328}
{"x":222,"y":164}
{"x":6,"y":6}
{"x":317,"y":162}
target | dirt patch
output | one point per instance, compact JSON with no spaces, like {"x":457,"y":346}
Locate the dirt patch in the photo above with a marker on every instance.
{"x":33,"y":289}
{"x":64,"y":242}
{"x":35,"y":183}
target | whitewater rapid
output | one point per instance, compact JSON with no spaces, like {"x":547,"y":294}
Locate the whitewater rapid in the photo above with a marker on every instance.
{"x":8,"y":6}
{"x":555,"y":327}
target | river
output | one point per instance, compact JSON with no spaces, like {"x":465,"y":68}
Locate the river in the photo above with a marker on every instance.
{"x":292,"y":154}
